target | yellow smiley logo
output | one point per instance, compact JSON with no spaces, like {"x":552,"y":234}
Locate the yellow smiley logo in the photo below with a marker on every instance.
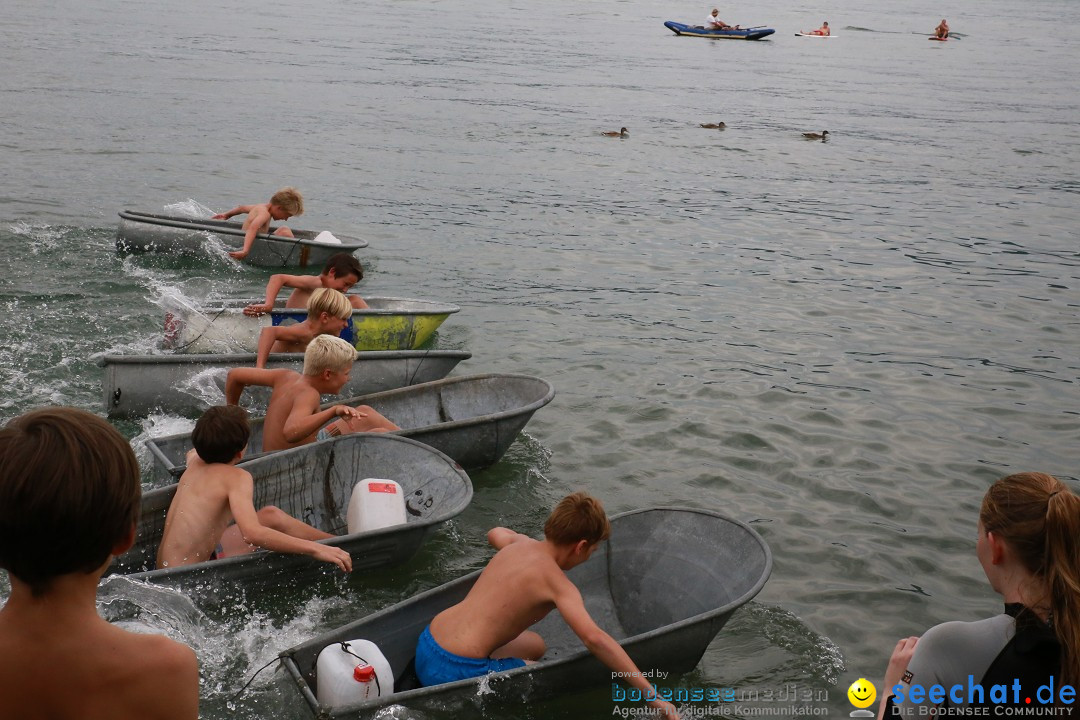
{"x":862,"y":693}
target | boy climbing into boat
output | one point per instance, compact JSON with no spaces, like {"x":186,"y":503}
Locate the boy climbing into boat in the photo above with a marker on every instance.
{"x":525,"y":580}
{"x":340,"y":273}
{"x":69,"y":501}
{"x":293,"y":416}
{"x":328,"y":314}
{"x":285,"y":203}
{"x":212,"y":515}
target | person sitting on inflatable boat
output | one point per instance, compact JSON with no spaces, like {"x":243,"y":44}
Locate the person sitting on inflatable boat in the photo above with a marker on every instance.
{"x":713,"y":22}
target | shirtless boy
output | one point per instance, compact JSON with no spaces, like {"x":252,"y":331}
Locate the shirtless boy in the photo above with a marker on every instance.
{"x":213,"y":493}
{"x":340,"y":273}
{"x":69,"y":500}
{"x":293,"y":417}
{"x":285,"y":203}
{"x":328,"y":314}
{"x":525,"y":580}
{"x":941,"y":32}
{"x":823,"y":30}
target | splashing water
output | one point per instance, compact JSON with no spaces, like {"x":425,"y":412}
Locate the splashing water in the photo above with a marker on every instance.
{"x":156,"y":425}
{"x":207,"y":385}
{"x":141,"y":607}
{"x":189,"y":208}
{"x":230,"y":650}
{"x":782,"y":628}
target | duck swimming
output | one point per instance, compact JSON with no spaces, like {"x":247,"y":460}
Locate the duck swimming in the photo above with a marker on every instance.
{"x":816,"y":136}
{"x":714,"y":126}
{"x":621,"y":134}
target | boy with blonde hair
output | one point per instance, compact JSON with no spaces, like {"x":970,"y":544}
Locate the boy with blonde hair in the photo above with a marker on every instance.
{"x":285,"y":203}
{"x":293,"y":417}
{"x":69,"y":501}
{"x":328,"y":314}
{"x":213,"y":515}
{"x":526,"y":579}
{"x":341,"y":272}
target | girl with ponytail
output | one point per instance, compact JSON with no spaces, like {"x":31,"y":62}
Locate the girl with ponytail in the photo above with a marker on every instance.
{"x":1029,"y":547}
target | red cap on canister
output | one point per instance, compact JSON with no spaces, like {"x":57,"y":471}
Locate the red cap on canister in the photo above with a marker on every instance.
{"x":363,"y":673}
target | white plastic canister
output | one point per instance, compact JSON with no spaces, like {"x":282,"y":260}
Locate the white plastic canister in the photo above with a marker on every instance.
{"x":351,"y":672}
{"x":375,"y":504}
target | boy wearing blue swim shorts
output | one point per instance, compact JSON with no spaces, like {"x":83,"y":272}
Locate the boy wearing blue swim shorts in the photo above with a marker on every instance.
{"x":526,"y":579}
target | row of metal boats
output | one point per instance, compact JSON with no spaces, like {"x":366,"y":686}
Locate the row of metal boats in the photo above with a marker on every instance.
{"x":449,"y":425}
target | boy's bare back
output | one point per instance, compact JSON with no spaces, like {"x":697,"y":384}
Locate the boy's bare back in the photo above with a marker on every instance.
{"x":257,"y":215}
{"x":114,"y":675}
{"x":518,"y":587}
{"x":291,"y":397}
{"x":58,"y":657}
{"x":199,"y":512}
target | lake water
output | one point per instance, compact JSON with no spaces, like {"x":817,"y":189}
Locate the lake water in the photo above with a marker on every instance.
{"x":841,"y":342}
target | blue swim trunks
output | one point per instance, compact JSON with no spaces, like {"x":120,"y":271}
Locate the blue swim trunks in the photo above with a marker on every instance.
{"x":435,"y":666}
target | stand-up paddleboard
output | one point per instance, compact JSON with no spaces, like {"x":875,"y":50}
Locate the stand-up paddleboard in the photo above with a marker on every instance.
{"x":934,"y":37}
{"x":799,"y":34}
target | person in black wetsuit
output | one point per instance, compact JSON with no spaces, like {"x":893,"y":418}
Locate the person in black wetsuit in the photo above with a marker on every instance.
{"x":1029,"y":547}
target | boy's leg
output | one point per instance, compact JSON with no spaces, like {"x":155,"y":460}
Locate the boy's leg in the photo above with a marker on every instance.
{"x":284,"y":232}
{"x":232,"y":540}
{"x":527,"y":646}
{"x":376,"y":420}
{"x":273,"y":517}
{"x":372,"y":422}
{"x":232,"y":543}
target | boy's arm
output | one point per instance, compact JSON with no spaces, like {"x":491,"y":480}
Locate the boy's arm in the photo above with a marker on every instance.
{"x":357,"y":302}
{"x":240,"y":378}
{"x":242,"y":506}
{"x":238,"y":210}
{"x":258,"y":217}
{"x":306,"y":418}
{"x":603,"y":646}
{"x":273,"y":287}
{"x":269,"y":336}
{"x":500,"y":537}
